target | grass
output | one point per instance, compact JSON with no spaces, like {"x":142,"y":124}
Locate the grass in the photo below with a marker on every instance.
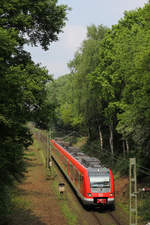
{"x":124,"y":206}
{"x":70,"y":216}
{"x":65,"y":209}
{"x":40,"y":147}
{"x":29,"y":154}
{"x":42,"y":157}
{"x":20,"y":202}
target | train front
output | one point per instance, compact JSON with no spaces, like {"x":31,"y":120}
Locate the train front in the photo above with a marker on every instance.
{"x":101,"y":187}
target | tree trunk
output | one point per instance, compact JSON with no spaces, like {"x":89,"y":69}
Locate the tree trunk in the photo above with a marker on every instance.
{"x":100,"y":137}
{"x":124,"y":148}
{"x":111,"y":140}
{"x":127,"y":147}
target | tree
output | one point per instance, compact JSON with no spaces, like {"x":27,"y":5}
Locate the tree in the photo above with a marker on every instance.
{"x":37,"y":22}
{"x":23,"y":95}
{"x":83,"y":64}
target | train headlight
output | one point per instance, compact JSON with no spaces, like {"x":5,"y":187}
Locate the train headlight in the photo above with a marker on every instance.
{"x":89,"y":194}
{"x":111,"y":194}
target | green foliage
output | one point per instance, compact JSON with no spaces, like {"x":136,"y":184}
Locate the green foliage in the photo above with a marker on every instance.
{"x":23,"y":95}
{"x":144,"y":209}
{"x":37,"y":22}
{"x":85,"y":102}
{"x":121,"y":164}
{"x":5,"y":204}
{"x":92,"y":148}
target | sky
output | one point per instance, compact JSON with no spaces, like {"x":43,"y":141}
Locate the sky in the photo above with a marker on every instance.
{"x":84,"y":13}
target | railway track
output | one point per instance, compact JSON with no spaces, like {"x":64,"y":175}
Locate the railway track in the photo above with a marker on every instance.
{"x":106,"y":218}
{"x":97,"y":218}
{"x":114,"y":218}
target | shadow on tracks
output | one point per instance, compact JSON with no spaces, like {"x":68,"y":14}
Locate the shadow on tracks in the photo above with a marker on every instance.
{"x":99,"y":209}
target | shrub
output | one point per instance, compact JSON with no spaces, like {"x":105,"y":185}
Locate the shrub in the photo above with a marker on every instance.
{"x":144,"y":209}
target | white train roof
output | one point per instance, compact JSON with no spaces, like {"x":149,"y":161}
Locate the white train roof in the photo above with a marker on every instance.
{"x":93,"y":164}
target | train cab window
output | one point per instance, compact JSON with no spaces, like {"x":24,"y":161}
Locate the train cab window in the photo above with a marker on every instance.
{"x":99,"y":181}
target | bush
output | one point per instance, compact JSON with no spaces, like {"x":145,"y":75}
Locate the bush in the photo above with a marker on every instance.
{"x":122,"y":165}
{"x":144,"y":209}
{"x":5,"y":204}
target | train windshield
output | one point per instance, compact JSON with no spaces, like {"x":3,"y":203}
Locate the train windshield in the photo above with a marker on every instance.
{"x":99,"y":181}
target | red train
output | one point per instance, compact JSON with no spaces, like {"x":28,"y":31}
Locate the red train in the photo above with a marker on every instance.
{"x":93,"y":183}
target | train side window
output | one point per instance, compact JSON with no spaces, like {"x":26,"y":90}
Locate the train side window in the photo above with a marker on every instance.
{"x":76,"y":176}
{"x":64,"y":162}
{"x":69,"y":168}
{"x":71,"y":172}
{"x":78,"y":180}
{"x":81,"y":183}
{"x":74,"y":173}
{"x":60,"y":157}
